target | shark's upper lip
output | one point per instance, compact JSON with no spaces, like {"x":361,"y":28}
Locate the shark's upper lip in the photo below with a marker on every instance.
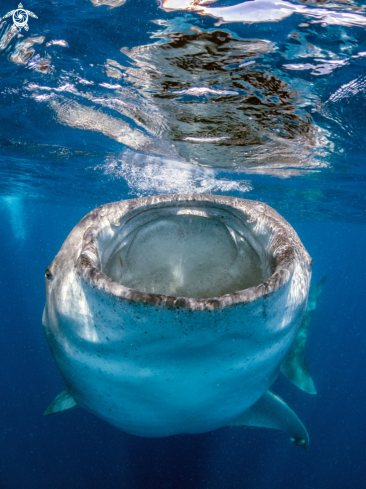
{"x":286,"y":248}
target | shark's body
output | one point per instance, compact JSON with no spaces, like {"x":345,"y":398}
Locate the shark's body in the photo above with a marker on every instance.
{"x":156,"y":365}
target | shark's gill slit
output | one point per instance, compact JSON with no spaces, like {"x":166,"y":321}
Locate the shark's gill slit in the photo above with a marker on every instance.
{"x":187,"y":252}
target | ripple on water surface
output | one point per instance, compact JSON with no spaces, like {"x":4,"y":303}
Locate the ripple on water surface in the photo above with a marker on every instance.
{"x":210,"y":97}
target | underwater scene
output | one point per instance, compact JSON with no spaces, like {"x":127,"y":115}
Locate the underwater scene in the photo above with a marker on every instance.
{"x":183,"y":235}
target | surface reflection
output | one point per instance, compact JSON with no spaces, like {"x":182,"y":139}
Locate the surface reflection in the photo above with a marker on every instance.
{"x":110,"y":3}
{"x":267,"y":11}
{"x":346,"y":107}
{"x":222,"y":106}
{"x":175,"y":102}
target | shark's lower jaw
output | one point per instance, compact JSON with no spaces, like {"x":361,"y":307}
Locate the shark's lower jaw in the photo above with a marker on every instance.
{"x":172,"y":314}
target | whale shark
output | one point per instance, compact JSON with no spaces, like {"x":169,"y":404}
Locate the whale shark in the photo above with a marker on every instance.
{"x":174,"y":314}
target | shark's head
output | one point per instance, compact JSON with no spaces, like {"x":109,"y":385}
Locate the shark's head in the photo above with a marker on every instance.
{"x":172,"y":314}
{"x":191,"y":251}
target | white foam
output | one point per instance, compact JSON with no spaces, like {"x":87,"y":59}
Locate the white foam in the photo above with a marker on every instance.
{"x":266,"y":11}
{"x":146,"y":174}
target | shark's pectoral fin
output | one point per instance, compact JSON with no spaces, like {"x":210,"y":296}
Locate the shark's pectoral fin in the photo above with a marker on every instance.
{"x":294,"y":365}
{"x":62,"y":402}
{"x":272,"y":412}
{"x":296,"y":370}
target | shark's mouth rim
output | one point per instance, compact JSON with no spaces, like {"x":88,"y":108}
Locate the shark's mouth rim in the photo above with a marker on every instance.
{"x":286,"y":249}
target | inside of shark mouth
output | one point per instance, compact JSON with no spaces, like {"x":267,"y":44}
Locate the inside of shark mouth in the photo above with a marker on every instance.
{"x":190,"y":253}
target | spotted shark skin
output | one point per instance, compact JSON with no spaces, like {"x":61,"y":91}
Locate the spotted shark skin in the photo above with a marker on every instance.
{"x":155,"y":365}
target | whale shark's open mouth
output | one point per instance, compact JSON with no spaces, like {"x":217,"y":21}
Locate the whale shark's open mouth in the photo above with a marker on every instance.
{"x":188,"y":251}
{"x":172,"y":314}
{"x":188,"y":256}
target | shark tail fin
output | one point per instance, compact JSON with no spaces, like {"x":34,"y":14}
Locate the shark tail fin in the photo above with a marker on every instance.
{"x":294,"y":365}
{"x":270,"y":411}
{"x":62,"y":402}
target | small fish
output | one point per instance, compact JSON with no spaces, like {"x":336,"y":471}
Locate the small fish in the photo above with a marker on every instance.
{"x":121,"y":261}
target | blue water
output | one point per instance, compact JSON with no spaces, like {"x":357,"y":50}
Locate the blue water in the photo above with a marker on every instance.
{"x":74,"y":136}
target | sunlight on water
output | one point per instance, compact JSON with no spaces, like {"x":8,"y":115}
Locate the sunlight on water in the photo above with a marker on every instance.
{"x":213,"y":97}
{"x":15,"y":209}
{"x":265,"y":11}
